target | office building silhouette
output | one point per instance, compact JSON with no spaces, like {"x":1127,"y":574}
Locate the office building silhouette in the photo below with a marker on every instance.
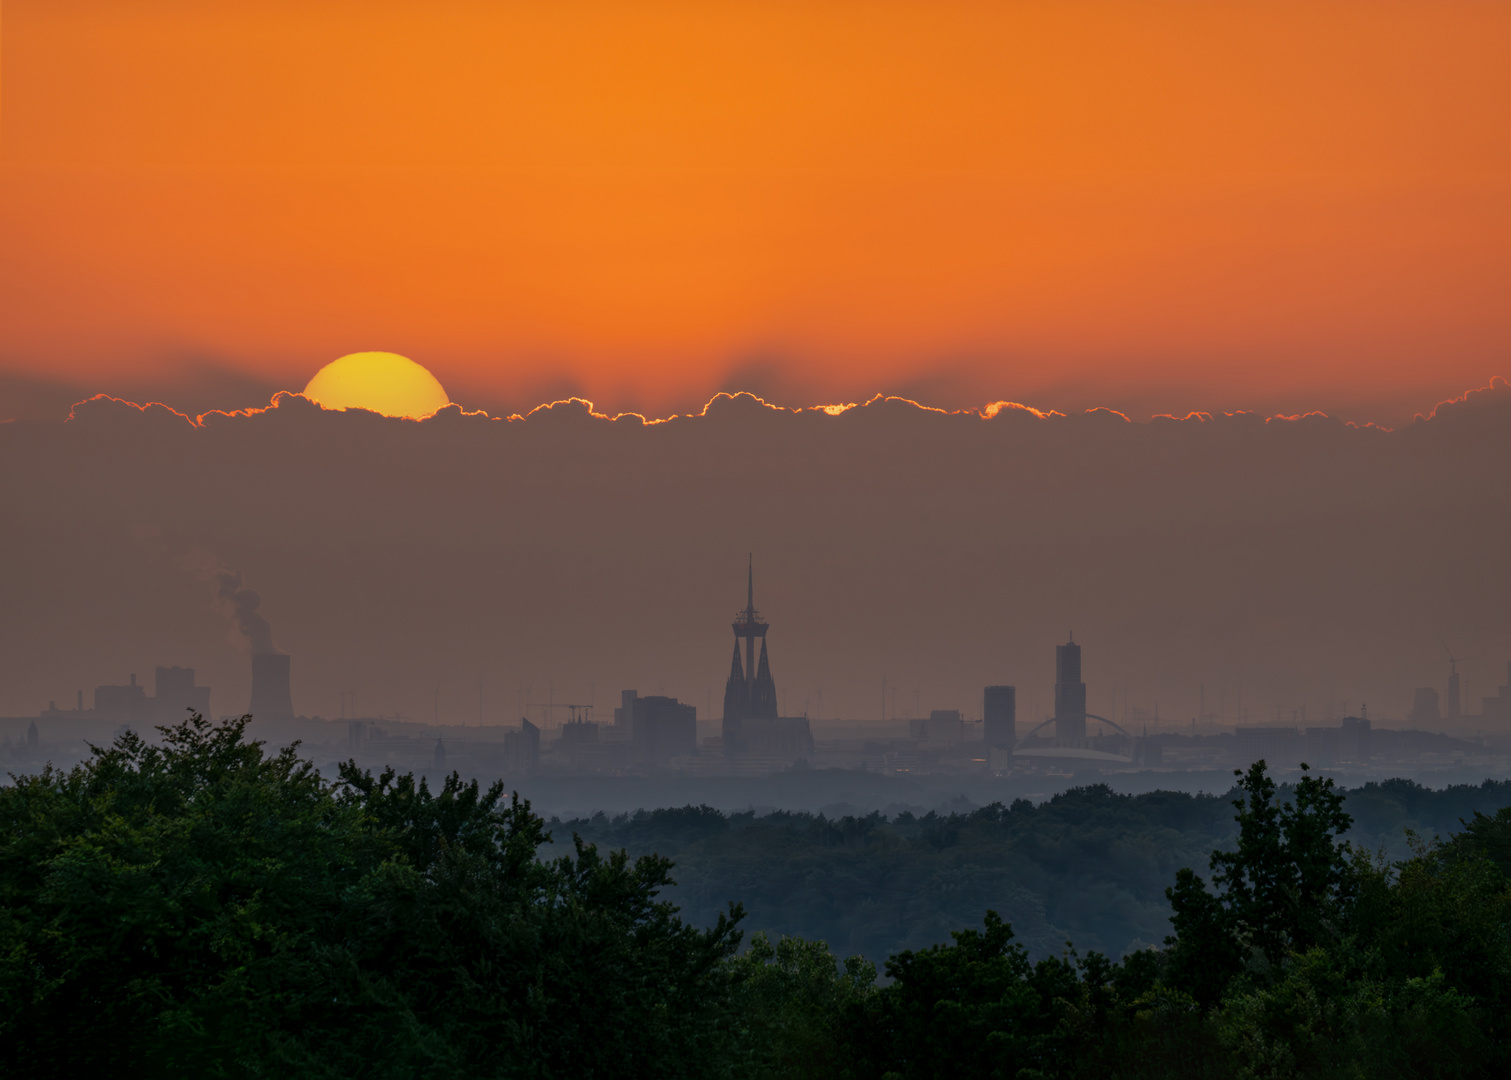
{"x":999,"y":716}
{"x":1070,"y":693}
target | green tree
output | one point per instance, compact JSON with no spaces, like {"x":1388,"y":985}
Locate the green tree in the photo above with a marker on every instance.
{"x":1487,"y":836}
{"x":1320,"y":1017}
{"x":1317,"y":961}
{"x":792,"y":1002}
{"x":961,"y":1010}
{"x":203,"y":908}
{"x":1288,"y":887}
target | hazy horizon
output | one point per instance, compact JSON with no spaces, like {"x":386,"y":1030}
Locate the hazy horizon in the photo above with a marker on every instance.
{"x":1298,"y":562}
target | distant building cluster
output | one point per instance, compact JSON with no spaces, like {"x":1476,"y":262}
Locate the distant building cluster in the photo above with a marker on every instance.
{"x":1319,"y":746}
{"x":1351,"y":742}
{"x":658,"y":733}
{"x":1427,"y":707}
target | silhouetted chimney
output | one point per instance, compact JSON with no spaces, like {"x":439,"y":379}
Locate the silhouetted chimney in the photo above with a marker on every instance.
{"x":271,"y":697}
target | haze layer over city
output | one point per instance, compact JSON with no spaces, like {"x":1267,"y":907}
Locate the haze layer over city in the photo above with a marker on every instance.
{"x":467,"y":572}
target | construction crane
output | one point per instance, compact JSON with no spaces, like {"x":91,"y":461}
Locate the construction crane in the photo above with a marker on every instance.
{"x":1455,"y":661}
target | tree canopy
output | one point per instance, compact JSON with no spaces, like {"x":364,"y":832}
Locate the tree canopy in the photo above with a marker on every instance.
{"x":203,"y":907}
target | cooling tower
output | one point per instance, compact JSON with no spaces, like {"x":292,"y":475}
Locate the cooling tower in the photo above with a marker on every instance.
{"x":271,"y":697}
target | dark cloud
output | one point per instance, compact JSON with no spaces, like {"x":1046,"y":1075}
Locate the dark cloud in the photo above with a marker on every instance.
{"x":1277,"y":561}
{"x":187,"y":387}
{"x":28,"y":397}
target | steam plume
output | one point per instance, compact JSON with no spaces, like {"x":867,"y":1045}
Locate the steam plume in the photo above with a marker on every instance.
{"x":244,"y":603}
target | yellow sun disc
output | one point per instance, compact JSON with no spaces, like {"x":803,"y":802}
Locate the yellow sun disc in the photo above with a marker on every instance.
{"x":384,"y":382}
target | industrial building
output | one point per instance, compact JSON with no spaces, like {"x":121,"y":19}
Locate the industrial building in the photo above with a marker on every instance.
{"x":174,"y":696}
{"x":1425,"y":708}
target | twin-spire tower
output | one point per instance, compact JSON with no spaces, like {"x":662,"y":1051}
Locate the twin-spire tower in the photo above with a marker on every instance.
{"x":750,"y":693}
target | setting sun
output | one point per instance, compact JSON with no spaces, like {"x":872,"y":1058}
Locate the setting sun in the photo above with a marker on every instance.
{"x":384,"y":382}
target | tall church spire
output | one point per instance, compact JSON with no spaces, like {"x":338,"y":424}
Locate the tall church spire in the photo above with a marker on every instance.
{"x":736,"y":690}
{"x":763,"y":690}
{"x":750,"y":620}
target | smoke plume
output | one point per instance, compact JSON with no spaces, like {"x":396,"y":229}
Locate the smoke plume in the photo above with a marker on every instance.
{"x":243,"y":604}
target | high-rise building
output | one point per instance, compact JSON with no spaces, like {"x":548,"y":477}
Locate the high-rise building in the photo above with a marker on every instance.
{"x":663,"y":728}
{"x":999,"y":716}
{"x":1070,"y":693}
{"x":522,"y":748}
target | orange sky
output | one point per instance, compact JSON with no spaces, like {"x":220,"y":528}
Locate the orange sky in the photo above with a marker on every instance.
{"x":1183,"y":205}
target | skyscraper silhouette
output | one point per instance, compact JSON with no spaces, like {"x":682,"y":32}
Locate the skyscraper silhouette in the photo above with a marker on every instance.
{"x":1070,"y":693}
{"x":999,"y":716}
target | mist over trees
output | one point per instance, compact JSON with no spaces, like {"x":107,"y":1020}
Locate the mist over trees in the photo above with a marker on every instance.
{"x":1089,"y":865}
{"x":205,"y":908}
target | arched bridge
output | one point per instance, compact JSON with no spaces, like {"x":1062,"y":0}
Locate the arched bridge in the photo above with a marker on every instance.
{"x":1090,"y":716}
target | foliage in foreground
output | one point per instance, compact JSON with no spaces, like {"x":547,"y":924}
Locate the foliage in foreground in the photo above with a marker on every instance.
{"x":202,"y":908}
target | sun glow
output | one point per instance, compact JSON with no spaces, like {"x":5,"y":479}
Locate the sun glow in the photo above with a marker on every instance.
{"x":384,"y":382}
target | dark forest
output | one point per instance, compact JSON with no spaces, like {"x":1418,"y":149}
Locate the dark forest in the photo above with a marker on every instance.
{"x":205,"y":908}
{"x":1089,"y":865}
